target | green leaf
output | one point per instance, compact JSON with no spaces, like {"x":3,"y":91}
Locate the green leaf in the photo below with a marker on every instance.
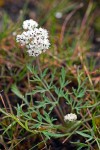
{"x":44,"y":73}
{"x":84,"y":134}
{"x":55,"y":135}
{"x":18,"y":93}
{"x":26,"y":125}
{"x":12,"y":124}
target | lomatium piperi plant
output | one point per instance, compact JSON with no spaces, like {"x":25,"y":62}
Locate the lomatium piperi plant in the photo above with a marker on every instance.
{"x":35,"y":40}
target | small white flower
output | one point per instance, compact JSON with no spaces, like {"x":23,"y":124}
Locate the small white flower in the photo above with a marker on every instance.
{"x":58,"y":15}
{"x":70,"y":117}
{"x":35,"y":39}
{"x":14,"y":33}
{"x":29,"y":24}
{"x":43,"y":32}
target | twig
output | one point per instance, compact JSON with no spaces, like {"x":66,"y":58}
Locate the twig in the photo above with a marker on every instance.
{"x":66,"y":21}
{"x":3,"y":102}
{"x":85,"y":68}
{"x":8,"y":103}
{"x":3,"y":143}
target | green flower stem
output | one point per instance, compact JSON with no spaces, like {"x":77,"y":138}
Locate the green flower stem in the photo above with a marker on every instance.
{"x":50,"y":96}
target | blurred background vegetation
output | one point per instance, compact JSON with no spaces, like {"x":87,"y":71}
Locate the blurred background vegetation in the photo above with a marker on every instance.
{"x":74,"y":32}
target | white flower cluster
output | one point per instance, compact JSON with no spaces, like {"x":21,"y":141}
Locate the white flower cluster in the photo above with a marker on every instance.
{"x":70,"y":117}
{"x":35,"y":39}
{"x":58,"y":15}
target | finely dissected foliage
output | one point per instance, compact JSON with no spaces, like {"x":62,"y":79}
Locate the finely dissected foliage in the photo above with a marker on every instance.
{"x":38,"y":119}
{"x":54,"y":103}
